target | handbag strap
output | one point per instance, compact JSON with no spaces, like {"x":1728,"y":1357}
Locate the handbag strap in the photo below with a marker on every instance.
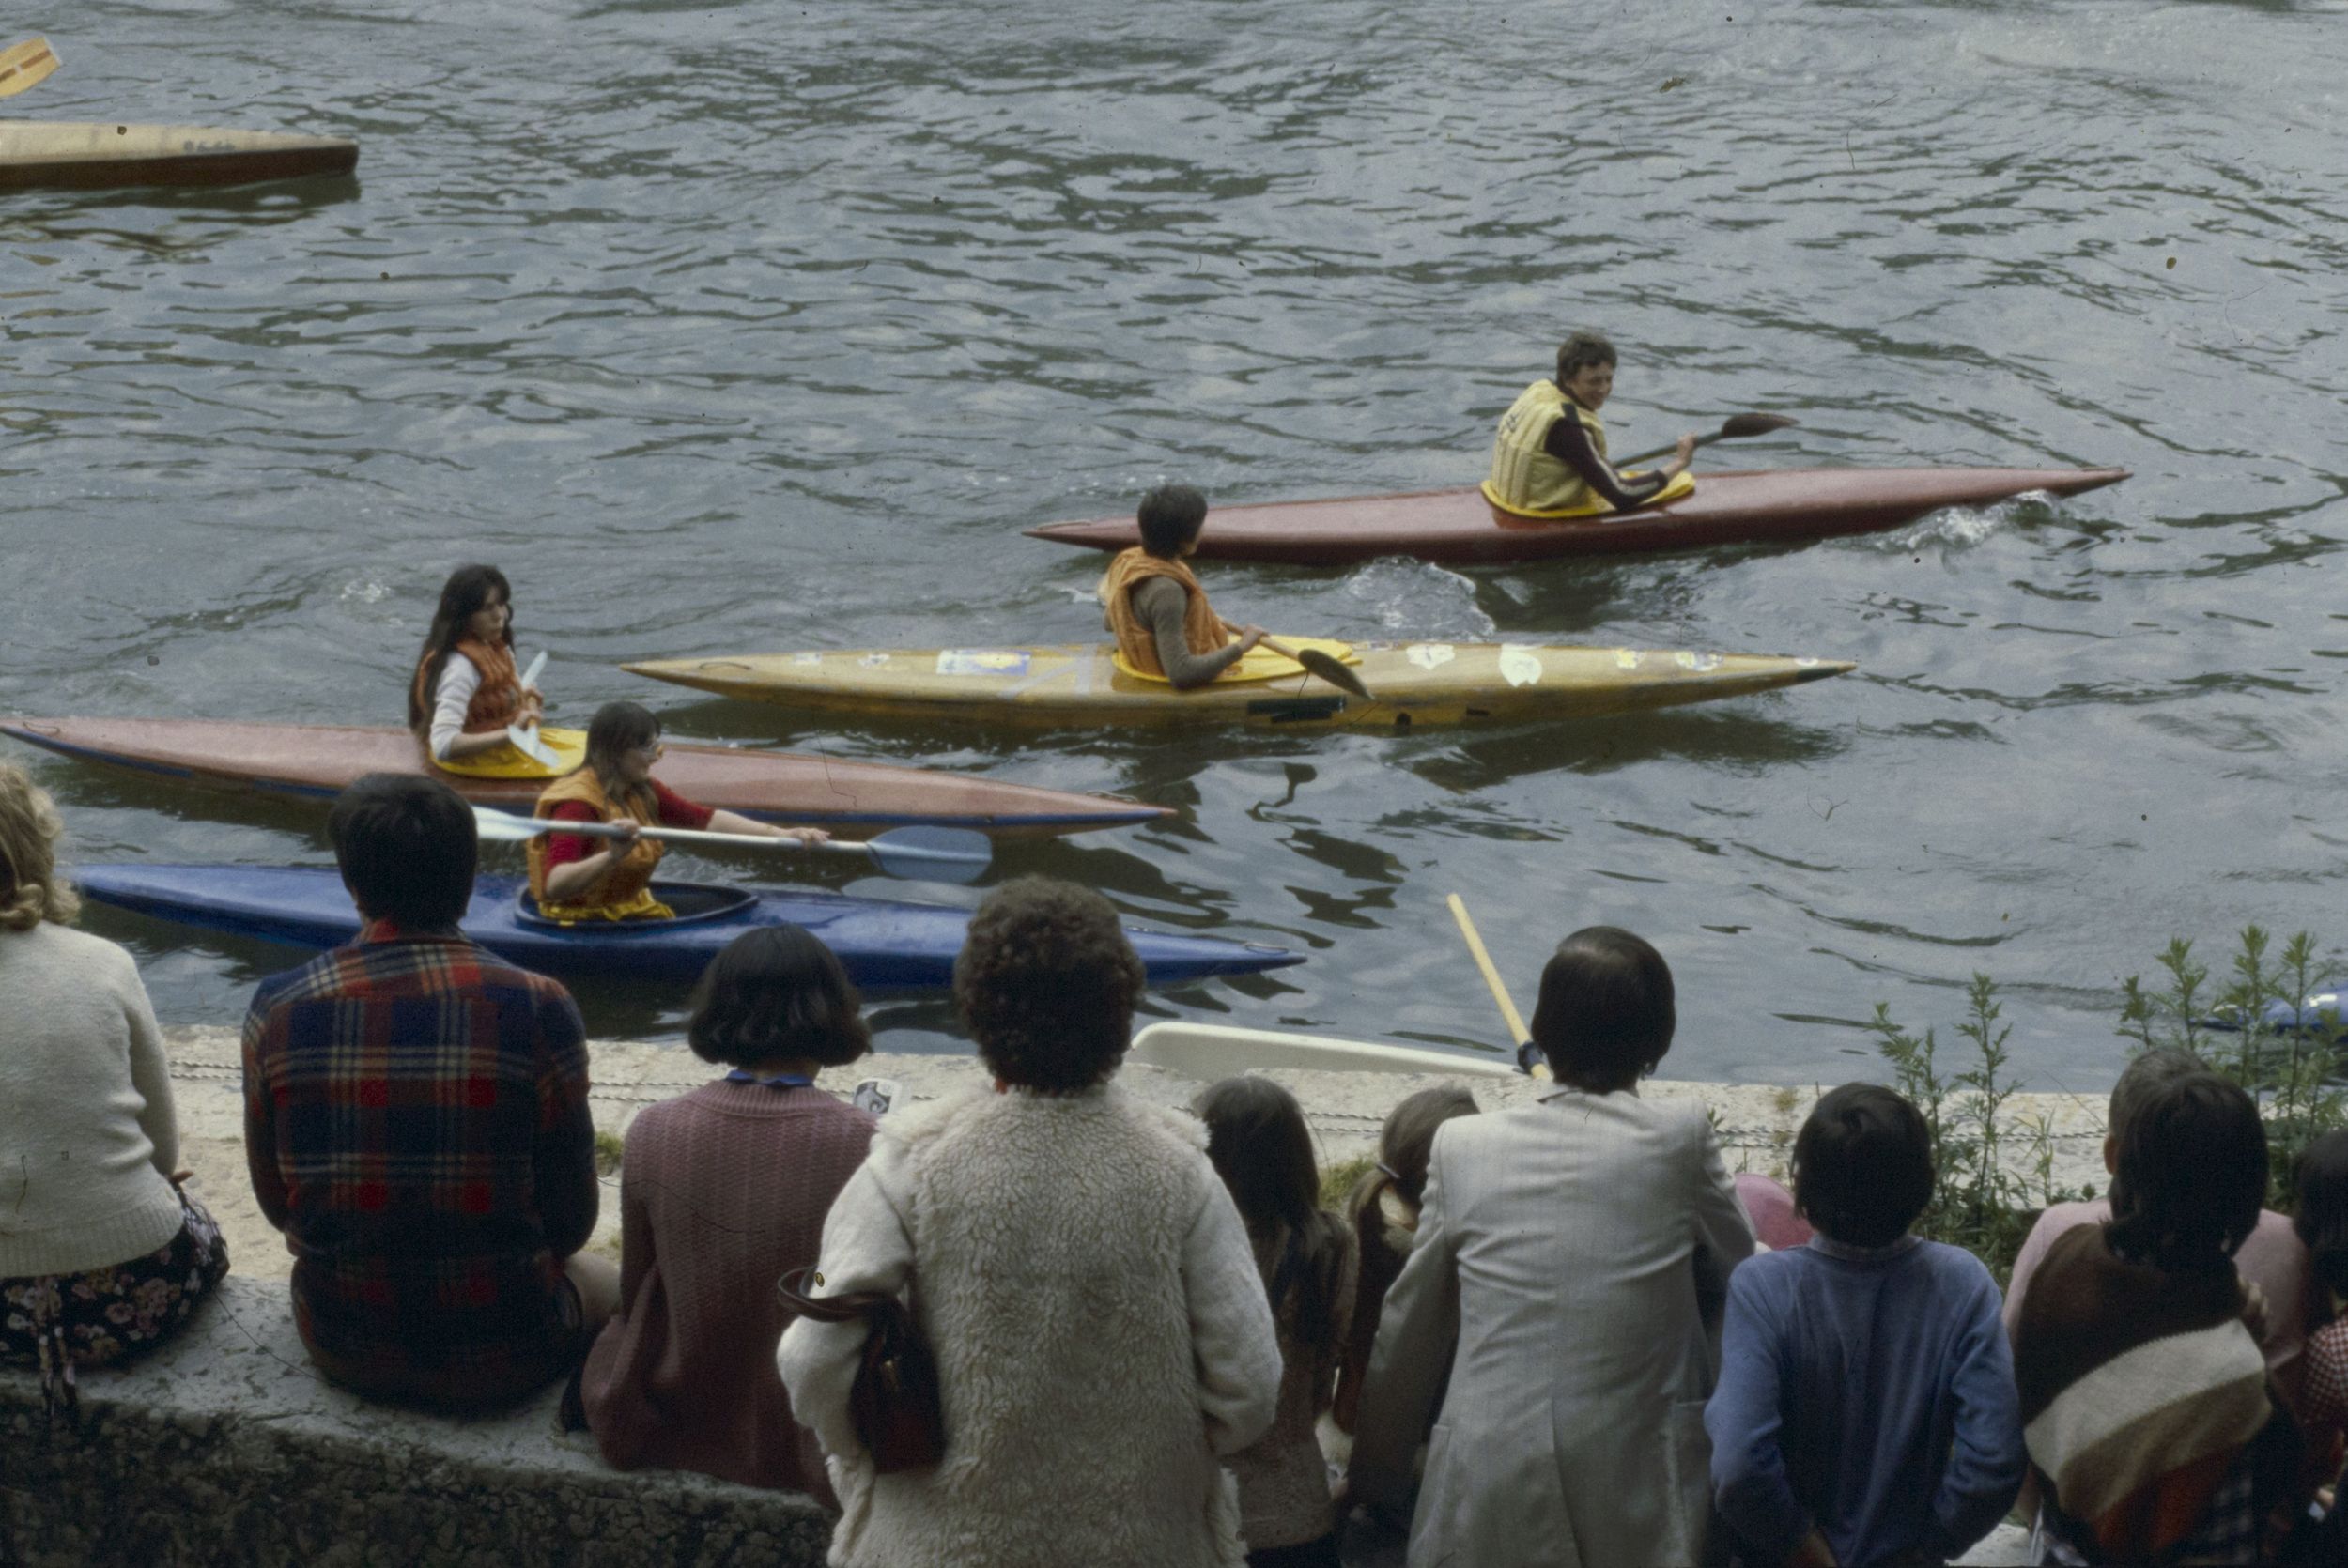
{"x":792,"y":1288}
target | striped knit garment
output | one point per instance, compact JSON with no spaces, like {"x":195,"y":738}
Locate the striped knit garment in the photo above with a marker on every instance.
{"x":2140,"y":1389}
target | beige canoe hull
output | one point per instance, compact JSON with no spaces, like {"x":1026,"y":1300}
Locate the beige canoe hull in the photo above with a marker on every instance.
{"x":1413,"y":685}
{"x":61,"y":156}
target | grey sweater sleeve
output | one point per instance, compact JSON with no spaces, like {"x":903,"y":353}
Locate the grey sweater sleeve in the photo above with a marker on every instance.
{"x":1162,"y":602}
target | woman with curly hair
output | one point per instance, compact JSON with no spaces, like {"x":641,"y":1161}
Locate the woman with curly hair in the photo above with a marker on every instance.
{"x":1078,"y":1270}
{"x":102,"y":1253}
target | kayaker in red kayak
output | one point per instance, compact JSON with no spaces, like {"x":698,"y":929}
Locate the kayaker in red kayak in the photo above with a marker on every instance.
{"x":574,"y":877}
{"x":1156,"y":607}
{"x":1549,"y":455}
{"x":466,"y":689}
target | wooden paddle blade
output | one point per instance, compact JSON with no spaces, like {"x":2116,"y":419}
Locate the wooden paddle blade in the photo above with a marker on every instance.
{"x":1739,"y":425}
{"x":1332,"y":669}
{"x":22,"y":64}
{"x":927,"y":853}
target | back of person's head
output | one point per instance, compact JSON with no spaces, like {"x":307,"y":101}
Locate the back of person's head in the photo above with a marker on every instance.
{"x":1170,"y":517}
{"x":1260,"y":1146}
{"x":469,"y":590}
{"x":2323,"y":1217}
{"x":407,"y":848}
{"x":617,"y":728}
{"x":775,"y":994}
{"x":1606,"y":1013}
{"x":29,"y":830}
{"x":2147,"y":1073}
{"x":1408,"y":1139}
{"x":1579,"y":351}
{"x":1046,"y":985}
{"x":2190,"y":1176}
{"x":1862,"y":1166}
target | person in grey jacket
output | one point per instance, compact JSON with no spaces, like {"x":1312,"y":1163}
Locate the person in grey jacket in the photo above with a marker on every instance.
{"x":1078,"y":1270}
{"x":1571,"y":1270}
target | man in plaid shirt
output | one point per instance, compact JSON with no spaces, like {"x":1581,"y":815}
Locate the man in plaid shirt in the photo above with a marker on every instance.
{"x":416,"y":1123}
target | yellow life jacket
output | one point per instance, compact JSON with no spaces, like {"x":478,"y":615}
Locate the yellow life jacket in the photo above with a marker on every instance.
{"x":1203,"y":631}
{"x":625,"y":892}
{"x":1524,"y":477}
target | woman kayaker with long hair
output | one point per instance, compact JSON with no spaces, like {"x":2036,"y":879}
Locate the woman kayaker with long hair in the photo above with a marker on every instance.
{"x":466,"y":690}
{"x":1549,"y":455}
{"x":576,"y":877}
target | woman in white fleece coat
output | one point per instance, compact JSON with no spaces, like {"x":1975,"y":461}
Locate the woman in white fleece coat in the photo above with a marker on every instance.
{"x":1077,"y":1269}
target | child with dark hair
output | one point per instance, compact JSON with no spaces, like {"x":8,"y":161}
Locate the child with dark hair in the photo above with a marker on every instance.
{"x":723,"y":1192}
{"x":2153,"y":1435}
{"x":1156,"y":607}
{"x":1865,"y":1413}
{"x":1260,"y":1146}
{"x":2322,"y":1223}
{"x":1382,"y":1212}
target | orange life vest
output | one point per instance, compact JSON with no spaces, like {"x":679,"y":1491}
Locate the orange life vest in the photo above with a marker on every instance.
{"x":495,"y":701}
{"x":1203,"y":631}
{"x":625,"y":892}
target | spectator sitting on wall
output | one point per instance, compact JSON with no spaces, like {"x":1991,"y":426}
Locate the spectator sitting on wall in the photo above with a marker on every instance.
{"x":416,"y":1123}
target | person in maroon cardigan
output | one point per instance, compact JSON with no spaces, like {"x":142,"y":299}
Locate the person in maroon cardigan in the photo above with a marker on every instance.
{"x":723,"y":1191}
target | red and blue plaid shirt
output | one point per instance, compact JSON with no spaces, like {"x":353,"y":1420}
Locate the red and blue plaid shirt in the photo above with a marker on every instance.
{"x":416,"y":1123}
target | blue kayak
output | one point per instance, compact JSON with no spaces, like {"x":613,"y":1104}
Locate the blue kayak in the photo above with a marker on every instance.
{"x":887,"y":946}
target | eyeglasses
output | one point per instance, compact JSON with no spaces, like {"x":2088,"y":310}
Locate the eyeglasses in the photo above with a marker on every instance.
{"x":655,"y":749}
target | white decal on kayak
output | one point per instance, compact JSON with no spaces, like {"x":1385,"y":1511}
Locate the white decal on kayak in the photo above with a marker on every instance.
{"x":1625,"y":658}
{"x":983,"y":661}
{"x":1428,"y":655}
{"x":872,"y":661}
{"x":1696,"y":661}
{"x":1520,"y":667}
{"x":807,"y":658}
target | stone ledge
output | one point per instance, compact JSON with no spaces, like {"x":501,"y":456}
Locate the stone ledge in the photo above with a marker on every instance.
{"x":223,"y":1446}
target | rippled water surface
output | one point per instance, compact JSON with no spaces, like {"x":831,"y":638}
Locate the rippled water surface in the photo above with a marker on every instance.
{"x":752,"y":327}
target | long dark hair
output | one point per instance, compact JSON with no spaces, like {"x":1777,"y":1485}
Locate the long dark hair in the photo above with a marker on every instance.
{"x":2323,"y":1217}
{"x":1404,"y":1146}
{"x":1256,"y":1138}
{"x":2190,"y":1176}
{"x":618,"y":728}
{"x":466,"y":590}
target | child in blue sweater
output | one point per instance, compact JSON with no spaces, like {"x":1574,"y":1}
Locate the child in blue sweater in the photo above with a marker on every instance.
{"x":1866,"y":1412}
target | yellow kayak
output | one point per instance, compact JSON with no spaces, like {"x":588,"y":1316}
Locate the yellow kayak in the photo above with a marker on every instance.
{"x":103,"y":155}
{"x":1412,"y":684}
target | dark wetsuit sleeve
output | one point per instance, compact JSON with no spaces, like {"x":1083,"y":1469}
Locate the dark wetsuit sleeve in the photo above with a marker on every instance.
{"x":1162,"y":603}
{"x":1567,"y":442}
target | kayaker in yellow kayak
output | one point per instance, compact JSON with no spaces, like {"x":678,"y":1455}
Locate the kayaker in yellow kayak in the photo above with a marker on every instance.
{"x":574,"y":877}
{"x":1549,"y":455}
{"x":1155,"y":606}
{"x":466,"y":689}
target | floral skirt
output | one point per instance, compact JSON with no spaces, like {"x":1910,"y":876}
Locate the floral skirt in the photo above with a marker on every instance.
{"x":65,"y":1321}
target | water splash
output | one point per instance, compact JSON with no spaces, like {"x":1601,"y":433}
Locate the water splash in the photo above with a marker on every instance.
{"x":1420,"y":598}
{"x":1959,"y":527}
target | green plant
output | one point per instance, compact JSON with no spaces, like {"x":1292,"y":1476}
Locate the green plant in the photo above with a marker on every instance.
{"x":607,"y":1148}
{"x":1338,"y":1182}
{"x":2290,"y":1070}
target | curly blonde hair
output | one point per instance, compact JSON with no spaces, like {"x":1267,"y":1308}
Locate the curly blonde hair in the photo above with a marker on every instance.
{"x":29,"y":830}
{"x":1046,"y":983}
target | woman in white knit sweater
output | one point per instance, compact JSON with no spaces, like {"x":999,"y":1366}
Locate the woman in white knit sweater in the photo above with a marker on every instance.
{"x":101,"y":1252}
{"x":1078,"y":1270}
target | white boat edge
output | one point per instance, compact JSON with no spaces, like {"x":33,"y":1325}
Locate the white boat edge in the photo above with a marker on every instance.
{"x":1207,"y":1052}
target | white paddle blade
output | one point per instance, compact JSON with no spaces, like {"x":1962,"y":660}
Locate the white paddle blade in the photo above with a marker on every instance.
{"x":503,"y":827}
{"x":528,"y":745}
{"x":529,"y":676}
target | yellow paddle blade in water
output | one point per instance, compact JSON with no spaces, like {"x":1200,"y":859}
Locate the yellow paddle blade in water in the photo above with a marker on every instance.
{"x":24,"y":64}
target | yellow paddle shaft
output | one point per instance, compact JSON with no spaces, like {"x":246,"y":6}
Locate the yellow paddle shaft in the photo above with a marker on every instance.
{"x":24,"y":64}
{"x":1517,"y":1033}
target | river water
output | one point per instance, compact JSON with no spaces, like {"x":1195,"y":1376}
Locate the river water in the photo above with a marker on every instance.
{"x":733,"y":328}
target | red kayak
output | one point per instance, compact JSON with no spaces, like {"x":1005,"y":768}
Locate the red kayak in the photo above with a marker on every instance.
{"x":780,"y":786}
{"x":1461,"y":527}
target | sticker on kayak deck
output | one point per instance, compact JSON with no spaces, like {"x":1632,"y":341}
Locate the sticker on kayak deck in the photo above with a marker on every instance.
{"x":872,"y":661}
{"x":1520,"y":667}
{"x":1625,"y":658}
{"x":1429,"y":655}
{"x":1698,"y":662}
{"x":983,"y":661}
{"x":807,"y":658}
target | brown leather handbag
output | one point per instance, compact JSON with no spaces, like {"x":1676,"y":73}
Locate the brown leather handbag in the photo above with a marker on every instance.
{"x":894,"y":1402}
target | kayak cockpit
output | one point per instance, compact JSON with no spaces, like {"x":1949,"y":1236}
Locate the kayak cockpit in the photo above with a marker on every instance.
{"x":695,"y":903}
